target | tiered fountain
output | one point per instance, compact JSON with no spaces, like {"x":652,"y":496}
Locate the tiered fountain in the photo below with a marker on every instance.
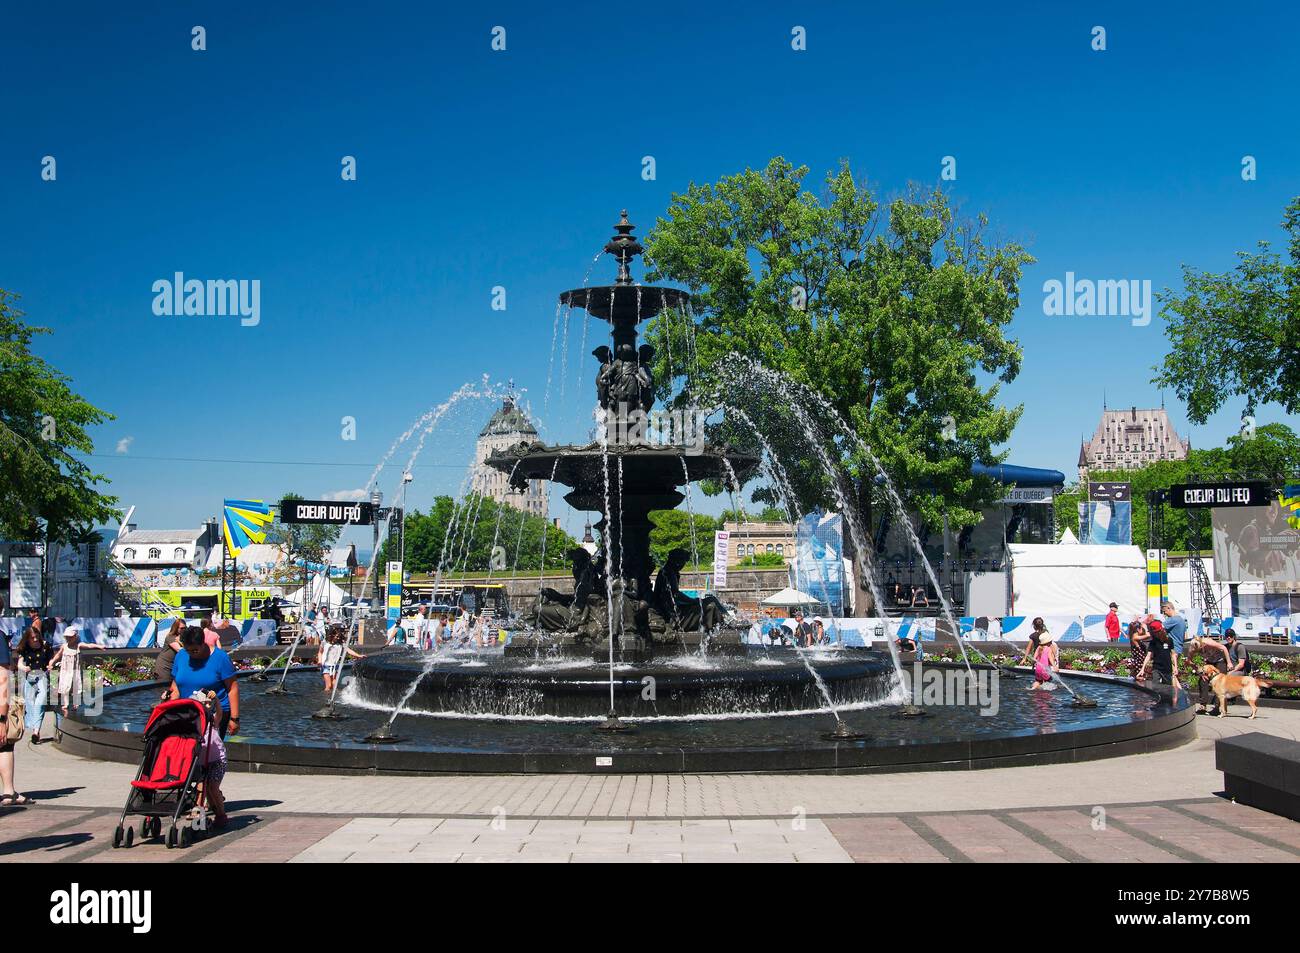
{"x":650,"y":650}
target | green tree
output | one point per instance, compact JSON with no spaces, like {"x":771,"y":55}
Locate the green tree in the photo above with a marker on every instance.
{"x":48,"y":492}
{"x":310,"y":541}
{"x":1272,"y":452}
{"x":476,"y":524}
{"x":1237,"y":334}
{"x":672,"y":530}
{"x":895,"y":315}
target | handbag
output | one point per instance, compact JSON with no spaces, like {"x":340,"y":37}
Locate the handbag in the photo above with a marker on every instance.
{"x":16,"y":723}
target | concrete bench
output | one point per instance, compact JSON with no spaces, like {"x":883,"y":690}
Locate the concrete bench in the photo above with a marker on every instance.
{"x":1262,"y":771}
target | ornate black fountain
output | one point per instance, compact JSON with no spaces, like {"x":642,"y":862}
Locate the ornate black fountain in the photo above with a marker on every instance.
{"x":627,"y":642}
{"x":624,"y":478}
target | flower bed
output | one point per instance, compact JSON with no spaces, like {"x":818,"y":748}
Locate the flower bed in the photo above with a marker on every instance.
{"x":1111,"y":661}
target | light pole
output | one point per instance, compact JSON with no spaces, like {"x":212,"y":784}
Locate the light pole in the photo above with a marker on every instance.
{"x":401,"y":515}
{"x":376,"y":498}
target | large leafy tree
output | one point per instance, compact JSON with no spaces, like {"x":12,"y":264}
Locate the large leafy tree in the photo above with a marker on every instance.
{"x":896,"y":314}
{"x":1237,"y":334}
{"x":49,"y":492}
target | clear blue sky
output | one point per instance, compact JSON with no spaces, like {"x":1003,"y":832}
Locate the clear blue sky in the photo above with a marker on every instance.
{"x":478,"y":169}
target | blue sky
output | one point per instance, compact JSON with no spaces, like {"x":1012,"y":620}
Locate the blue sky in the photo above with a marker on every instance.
{"x":478,"y":169}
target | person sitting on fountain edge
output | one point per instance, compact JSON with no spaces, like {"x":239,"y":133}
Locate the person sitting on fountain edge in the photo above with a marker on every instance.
{"x":685,"y":613}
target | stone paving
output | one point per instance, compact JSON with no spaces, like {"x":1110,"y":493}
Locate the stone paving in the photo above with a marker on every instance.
{"x":1152,"y":808}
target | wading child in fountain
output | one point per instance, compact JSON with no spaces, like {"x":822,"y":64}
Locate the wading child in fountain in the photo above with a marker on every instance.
{"x":1046,"y":659}
{"x":332,"y":655}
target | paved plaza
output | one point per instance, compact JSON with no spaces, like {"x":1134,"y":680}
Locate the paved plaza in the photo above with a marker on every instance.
{"x":1142,"y":809}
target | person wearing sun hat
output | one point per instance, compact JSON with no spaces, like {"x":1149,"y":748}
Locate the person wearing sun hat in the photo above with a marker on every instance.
{"x":1046,"y":659}
{"x":819,"y":630}
{"x":68,"y":660}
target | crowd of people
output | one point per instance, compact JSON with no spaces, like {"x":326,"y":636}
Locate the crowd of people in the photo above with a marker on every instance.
{"x":1156,"y":645}
{"x":805,"y":633}
{"x":427,"y":631}
{"x":35,"y":679}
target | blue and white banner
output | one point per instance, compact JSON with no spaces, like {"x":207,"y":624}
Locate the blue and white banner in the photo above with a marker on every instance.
{"x":1106,"y":523}
{"x":819,"y":566}
{"x":1085,"y":628}
{"x":141,"y":633}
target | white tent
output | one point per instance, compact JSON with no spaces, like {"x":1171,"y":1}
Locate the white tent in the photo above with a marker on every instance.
{"x":1068,"y":538}
{"x":789,"y":597}
{"x":320,"y":590}
{"x":1076,"y":579}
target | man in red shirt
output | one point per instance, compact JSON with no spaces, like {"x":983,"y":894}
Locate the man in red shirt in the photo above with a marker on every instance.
{"x":1112,"y":623}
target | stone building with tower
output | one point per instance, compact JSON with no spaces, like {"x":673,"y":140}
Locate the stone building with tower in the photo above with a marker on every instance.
{"x":1130,"y":439}
{"x":508,"y":426}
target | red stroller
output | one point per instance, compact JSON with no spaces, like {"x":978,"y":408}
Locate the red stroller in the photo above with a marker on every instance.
{"x":170,"y":780}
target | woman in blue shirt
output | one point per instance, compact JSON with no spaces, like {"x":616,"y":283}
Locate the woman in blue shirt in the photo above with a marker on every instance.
{"x":198,"y":668}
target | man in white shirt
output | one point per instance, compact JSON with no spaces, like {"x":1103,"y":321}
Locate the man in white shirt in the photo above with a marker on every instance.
{"x":422,"y":628}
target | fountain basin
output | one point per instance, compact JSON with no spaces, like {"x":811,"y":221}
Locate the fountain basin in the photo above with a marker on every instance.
{"x":1030,"y":728}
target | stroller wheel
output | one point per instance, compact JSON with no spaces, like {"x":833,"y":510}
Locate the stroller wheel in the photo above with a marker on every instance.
{"x":186,"y":837}
{"x":117,"y":836}
{"x":146,"y":828}
{"x":129,"y":839}
{"x":156,"y":830}
{"x":171,"y":837}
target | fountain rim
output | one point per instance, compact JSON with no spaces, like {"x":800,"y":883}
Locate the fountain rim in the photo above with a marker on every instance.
{"x":1028,"y":746}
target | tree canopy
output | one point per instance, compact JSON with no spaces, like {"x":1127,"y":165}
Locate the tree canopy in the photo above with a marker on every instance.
{"x":311,"y":541}
{"x":48,"y":491}
{"x":894,"y":313}
{"x":1237,"y":334}
{"x":478,"y":522}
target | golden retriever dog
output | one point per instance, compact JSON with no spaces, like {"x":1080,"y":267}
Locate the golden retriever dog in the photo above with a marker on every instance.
{"x":1232,"y":686}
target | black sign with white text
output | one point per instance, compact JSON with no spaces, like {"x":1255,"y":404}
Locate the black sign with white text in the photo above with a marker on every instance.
{"x":1184,"y":496}
{"x":328,"y":512}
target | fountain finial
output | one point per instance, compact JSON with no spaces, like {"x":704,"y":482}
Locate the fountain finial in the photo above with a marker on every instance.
{"x":624,"y":247}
